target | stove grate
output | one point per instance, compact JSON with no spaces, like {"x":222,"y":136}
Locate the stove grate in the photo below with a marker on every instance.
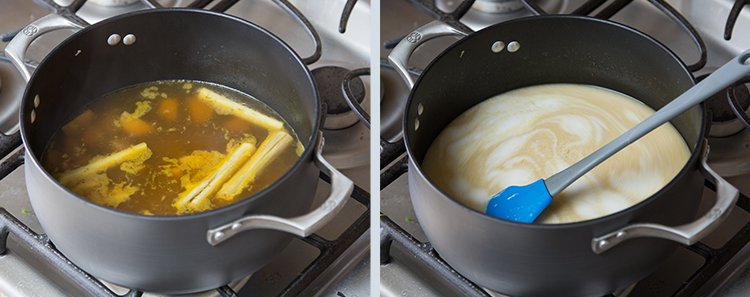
{"x":732,"y":19}
{"x":70,"y":10}
{"x":453,"y":18}
{"x":716,"y":259}
{"x":423,"y":251}
{"x":44,"y":247}
{"x":617,"y":5}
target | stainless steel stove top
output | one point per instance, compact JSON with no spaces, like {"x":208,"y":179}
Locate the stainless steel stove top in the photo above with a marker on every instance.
{"x":23,"y":273}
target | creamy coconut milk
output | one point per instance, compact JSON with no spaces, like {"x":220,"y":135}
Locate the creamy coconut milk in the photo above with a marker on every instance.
{"x":523,"y":135}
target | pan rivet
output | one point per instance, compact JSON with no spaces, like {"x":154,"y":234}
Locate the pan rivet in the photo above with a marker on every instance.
{"x":36,"y":101}
{"x":621,"y":234}
{"x":33,"y":115}
{"x":416,"y":124}
{"x":513,"y":46}
{"x":129,"y":39}
{"x":603,"y":243}
{"x":420,"y":109}
{"x":218,"y":235}
{"x":114,"y":39}
{"x":236,"y":226}
{"x":498,"y":46}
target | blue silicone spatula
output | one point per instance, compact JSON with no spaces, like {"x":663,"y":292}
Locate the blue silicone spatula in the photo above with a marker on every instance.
{"x":525,"y":203}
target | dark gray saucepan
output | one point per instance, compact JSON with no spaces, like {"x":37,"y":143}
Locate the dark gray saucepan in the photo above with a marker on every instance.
{"x":173,"y":254}
{"x":590,"y":258}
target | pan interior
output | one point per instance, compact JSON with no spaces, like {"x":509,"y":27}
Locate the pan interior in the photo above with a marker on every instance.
{"x":578,"y":50}
{"x":170,"y":44}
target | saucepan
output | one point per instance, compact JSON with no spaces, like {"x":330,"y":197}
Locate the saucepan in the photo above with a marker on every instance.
{"x":589,"y":258}
{"x":185,"y":253}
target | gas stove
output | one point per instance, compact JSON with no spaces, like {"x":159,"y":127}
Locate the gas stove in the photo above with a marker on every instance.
{"x":716,"y":266}
{"x":334,"y":261}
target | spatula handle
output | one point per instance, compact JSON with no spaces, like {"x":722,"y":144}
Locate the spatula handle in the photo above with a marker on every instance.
{"x":718,"y":80}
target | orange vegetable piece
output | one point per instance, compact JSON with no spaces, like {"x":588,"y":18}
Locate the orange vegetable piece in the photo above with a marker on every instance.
{"x":168,"y":109}
{"x":237,"y":125}
{"x":199,"y":112}
{"x":80,"y":123}
{"x":136,"y":126}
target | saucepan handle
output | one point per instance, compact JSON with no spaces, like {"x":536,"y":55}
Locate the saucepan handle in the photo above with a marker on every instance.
{"x":304,"y":225}
{"x":16,"y":49}
{"x":688,"y":234}
{"x":399,"y":56}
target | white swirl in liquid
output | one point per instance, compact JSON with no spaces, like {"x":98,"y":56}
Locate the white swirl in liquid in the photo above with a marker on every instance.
{"x":526,"y":134}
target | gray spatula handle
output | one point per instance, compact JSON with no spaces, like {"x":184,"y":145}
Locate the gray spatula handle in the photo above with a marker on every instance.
{"x":732,"y":71}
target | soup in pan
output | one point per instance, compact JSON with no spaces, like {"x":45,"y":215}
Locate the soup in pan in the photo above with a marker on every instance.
{"x":523,"y":135}
{"x":171,"y":147}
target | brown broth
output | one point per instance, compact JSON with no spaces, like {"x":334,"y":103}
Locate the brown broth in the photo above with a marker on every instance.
{"x":174,"y":123}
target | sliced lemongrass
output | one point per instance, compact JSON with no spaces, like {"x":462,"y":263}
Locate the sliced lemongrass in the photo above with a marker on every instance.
{"x":269,"y":150}
{"x":98,"y":165}
{"x":224,"y":105}
{"x":209,"y":185}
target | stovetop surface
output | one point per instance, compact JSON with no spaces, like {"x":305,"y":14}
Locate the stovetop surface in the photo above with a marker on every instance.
{"x":22,"y":273}
{"x":402,"y":275}
{"x":25,"y":273}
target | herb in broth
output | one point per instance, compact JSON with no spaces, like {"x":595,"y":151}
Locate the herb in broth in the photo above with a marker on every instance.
{"x":171,"y":147}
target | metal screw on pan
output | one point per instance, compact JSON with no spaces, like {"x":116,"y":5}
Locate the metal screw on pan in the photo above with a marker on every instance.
{"x":128,"y":39}
{"x":114,"y":39}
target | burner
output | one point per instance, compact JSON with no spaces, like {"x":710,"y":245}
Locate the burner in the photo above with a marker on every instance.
{"x":328,"y":81}
{"x":347,"y":139}
{"x":719,"y":106}
{"x":724,"y":121}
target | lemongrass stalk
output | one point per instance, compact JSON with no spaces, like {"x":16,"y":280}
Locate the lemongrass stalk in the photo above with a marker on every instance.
{"x":269,"y":150}
{"x":99,"y":165}
{"x":224,"y":105}
{"x":208,"y":186}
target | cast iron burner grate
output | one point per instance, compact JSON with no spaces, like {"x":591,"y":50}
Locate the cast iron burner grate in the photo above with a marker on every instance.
{"x":69,"y":12}
{"x":729,"y":109}
{"x":453,"y":18}
{"x":329,"y":81}
{"x":330,"y":250}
